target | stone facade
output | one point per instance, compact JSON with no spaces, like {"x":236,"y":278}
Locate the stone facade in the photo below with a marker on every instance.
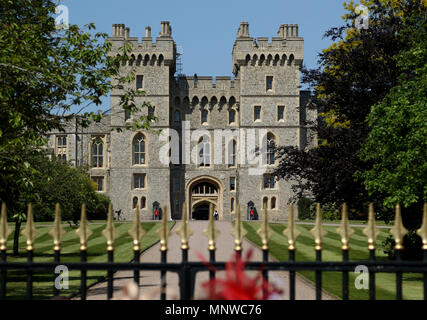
{"x":266,"y":78}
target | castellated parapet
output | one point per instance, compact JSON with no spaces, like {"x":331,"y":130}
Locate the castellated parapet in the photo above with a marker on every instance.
{"x":264,"y":96}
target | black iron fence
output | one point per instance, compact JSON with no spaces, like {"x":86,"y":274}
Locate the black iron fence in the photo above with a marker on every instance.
{"x":187,"y":270}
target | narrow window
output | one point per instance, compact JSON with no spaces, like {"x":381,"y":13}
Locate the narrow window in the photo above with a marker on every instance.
{"x":232,"y":205}
{"x":232,"y":150}
{"x":232,"y":116}
{"x":134,"y":202}
{"x":271,"y":149}
{"x":127,"y":115}
{"x":269,"y":182}
{"x":139,"y":181}
{"x":151,"y":111}
{"x":204,"y":152}
{"x":232,"y":183}
{"x":280,"y":113}
{"x":99,"y":181}
{"x":204,"y":116}
{"x":273,"y":203}
{"x":257,"y":113}
{"x":177,"y":117}
{"x":143,"y":203}
{"x":97,"y":153}
{"x":139,"y":82}
{"x":269,"y":83}
{"x":139,"y":149}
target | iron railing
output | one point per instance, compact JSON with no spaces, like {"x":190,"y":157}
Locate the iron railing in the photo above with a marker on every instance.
{"x":187,"y":270}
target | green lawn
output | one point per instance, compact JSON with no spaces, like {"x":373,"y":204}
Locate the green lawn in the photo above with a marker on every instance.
{"x":43,"y":281}
{"x":332,"y":281}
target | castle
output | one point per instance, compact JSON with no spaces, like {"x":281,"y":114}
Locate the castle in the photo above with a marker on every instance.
{"x":221,"y":135}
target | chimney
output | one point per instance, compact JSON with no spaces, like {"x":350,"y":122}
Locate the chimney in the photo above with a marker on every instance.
{"x":148,"y":32}
{"x":243,"y":31}
{"x":127,"y":33}
{"x":166,"y":30}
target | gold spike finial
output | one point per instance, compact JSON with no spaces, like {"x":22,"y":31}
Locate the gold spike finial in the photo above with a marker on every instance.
{"x":264,"y":231}
{"x":83,"y":231}
{"x":318,"y":231}
{"x":422,"y":232}
{"x":30,"y":231}
{"x":291,"y":232}
{"x":164,"y":231}
{"x":344,"y":229}
{"x":110,"y":231}
{"x":4,"y":228}
{"x":398,"y":231}
{"x":371,"y":231}
{"x":136,"y":232}
{"x":211,"y":233}
{"x":238,"y":231}
{"x":57,"y":231}
{"x":184,"y":230}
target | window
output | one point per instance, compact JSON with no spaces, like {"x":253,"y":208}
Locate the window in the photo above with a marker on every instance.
{"x":134,"y":202}
{"x":177,"y":184}
{"x":273,"y":203}
{"x":204,"y":152}
{"x":232,"y":183}
{"x":271,"y":148}
{"x":97,"y":153}
{"x":127,"y":115}
{"x":204,"y":116}
{"x":232,"y":150}
{"x":232,"y":116}
{"x":232,"y":205}
{"x":139,"y":149}
{"x":143,"y":202}
{"x":99,"y":181}
{"x":151,"y":111}
{"x":269,"y":181}
{"x":280,"y":113}
{"x":269,"y":83}
{"x":139,"y":181}
{"x":264,"y":202}
{"x":139,"y":82}
{"x":257,"y":113}
{"x":61,"y":148}
{"x":177,"y":116}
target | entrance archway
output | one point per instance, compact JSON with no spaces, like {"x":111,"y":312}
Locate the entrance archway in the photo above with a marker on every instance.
{"x":201,"y":192}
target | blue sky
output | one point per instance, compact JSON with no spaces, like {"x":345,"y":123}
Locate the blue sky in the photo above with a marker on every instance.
{"x":206,"y":30}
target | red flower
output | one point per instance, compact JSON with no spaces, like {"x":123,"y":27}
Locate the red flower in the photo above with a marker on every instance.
{"x":238,"y":285}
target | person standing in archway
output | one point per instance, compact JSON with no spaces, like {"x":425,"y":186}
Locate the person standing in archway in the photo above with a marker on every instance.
{"x":215,"y":213}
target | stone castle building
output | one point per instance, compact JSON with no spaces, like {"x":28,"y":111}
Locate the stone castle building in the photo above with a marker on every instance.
{"x":263,"y":98}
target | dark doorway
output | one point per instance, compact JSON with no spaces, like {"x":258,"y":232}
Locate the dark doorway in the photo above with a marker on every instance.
{"x":201,"y":212}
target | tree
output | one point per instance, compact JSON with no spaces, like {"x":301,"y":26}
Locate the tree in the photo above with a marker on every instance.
{"x":47,"y":76}
{"x":356,"y":72}
{"x":396,"y":146}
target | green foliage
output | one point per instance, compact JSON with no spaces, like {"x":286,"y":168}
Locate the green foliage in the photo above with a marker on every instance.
{"x":411,"y":243}
{"x":304,"y":212}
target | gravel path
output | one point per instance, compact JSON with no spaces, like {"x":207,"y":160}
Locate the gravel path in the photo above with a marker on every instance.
{"x":150,"y":280}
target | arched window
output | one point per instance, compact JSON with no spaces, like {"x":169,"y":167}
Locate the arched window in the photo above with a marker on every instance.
{"x":204,"y":152}
{"x":97,"y":153}
{"x":177,"y":116}
{"x":139,"y":149}
{"x":232,"y":205}
{"x":204,"y":116}
{"x":232,"y":116}
{"x":232,"y":151}
{"x":270,"y":150}
{"x":134,"y":202}
{"x":143,"y":203}
{"x":264,"y":202}
{"x":273,"y":203}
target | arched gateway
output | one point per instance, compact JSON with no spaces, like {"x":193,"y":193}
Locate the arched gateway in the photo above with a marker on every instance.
{"x":200,"y":193}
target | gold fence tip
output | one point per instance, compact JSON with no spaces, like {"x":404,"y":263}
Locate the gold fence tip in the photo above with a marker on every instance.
{"x":164,"y":231}
{"x":238,"y":231}
{"x":110,"y":231}
{"x":4,"y":228}
{"x":57,"y":231}
{"x":211,"y":232}
{"x":30,"y":232}
{"x":318,"y":231}
{"x":371,"y":230}
{"x":136,"y":232}
{"x":398,"y":230}
{"x":422,"y":232}
{"x":184,"y":229}
{"x":264,"y":231}
{"x":344,"y":229}
{"x":83,"y":231}
{"x":291,"y":232}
